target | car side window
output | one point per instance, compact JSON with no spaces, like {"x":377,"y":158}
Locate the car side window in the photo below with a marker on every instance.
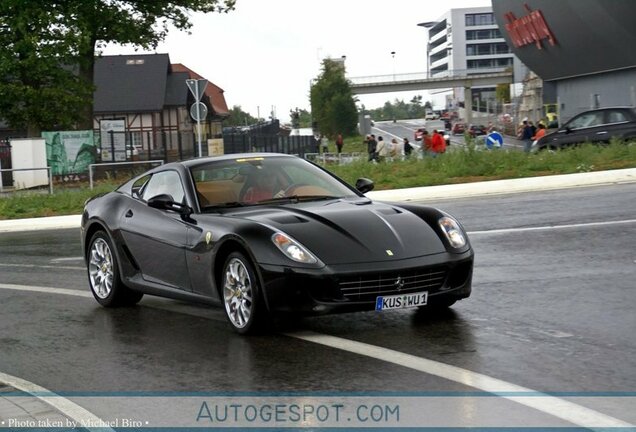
{"x":616,"y":117}
{"x":138,"y":186}
{"x":587,"y":120}
{"x":165,"y":182}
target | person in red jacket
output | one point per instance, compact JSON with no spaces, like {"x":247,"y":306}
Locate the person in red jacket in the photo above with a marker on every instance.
{"x":439,"y":143}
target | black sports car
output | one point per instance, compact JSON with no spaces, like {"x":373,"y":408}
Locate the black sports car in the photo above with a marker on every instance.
{"x":263,"y":234}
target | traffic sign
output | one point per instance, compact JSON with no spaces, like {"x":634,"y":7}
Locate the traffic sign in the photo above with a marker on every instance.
{"x":197,"y":87}
{"x":198,"y":111}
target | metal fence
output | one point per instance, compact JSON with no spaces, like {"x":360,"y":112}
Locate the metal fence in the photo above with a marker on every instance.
{"x":295,"y":144}
{"x":117,"y":147}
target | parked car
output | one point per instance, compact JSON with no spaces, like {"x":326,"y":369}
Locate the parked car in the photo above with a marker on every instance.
{"x":260,"y":234}
{"x":419,"y":134}
{"x":595,"y":126}
{"x":458,"y":128}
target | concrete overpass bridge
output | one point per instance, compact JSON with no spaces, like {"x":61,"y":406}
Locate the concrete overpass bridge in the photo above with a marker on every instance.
{"x":427,"y":81}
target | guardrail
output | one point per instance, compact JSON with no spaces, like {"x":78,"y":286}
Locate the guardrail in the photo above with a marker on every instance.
{"x":48,"y":169}
{"x":90,"y":167}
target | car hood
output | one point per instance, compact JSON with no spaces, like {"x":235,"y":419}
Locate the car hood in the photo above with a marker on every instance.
{"x":340,"y":232}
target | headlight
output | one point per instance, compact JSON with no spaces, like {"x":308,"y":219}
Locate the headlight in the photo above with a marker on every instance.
{"x":292,"y":249}
{"x":453,"y":232}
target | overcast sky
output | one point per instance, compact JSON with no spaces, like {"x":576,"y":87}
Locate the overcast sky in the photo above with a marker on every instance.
{"x":265,"y":52}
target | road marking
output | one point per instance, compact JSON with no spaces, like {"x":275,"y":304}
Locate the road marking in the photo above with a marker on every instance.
{"x":59,"y":267}
{"x":553,"y":227}
{"x":78,"y":258}
{"x":560,"y":408}
{"x":47,"y":290}
{"x":71,"y":410}
{"x":554,"y":406}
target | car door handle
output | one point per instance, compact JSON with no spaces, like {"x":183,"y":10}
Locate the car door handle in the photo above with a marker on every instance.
{"x":601,"y":133}
{"x":129,"y":214}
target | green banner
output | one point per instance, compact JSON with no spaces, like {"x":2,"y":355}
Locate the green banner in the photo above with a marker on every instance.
{"x":69,"y":152}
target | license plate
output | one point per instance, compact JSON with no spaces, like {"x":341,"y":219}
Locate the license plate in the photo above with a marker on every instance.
{"x":401,"y":301}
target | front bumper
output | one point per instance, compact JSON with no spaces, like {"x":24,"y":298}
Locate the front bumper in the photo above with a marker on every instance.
{"x":354,"y":287}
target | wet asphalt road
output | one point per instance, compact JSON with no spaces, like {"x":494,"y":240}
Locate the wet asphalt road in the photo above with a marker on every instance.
{"x":552,"y":310}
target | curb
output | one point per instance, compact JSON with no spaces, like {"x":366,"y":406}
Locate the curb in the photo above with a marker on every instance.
{"x":428,"y":193}
{"x":502,"y":187}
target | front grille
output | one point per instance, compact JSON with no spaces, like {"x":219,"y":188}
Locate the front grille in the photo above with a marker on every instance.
{"x":367,"y":287}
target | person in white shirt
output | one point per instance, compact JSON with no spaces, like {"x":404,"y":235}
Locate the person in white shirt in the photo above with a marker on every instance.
{"x":397,"y":149}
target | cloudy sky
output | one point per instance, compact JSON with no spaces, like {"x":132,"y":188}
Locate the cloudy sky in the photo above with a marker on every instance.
{"x":265,"y":53}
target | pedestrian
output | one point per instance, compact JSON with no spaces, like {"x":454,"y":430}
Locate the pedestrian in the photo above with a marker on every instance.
{"x":339,"y":143}
{"x":438,"y":143}
{"x":382,"y":150}
{"x":533,"y":128}
{"x":372,"y":148}
{"x":324,"y":143}
{"x":540,"y":133}
{"x":526,"y":136}
{"x":427,"y":144}
{"x":397,"y":149}
{"x":407,"y":147}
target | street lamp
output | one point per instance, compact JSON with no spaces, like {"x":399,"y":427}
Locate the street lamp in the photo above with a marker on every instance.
{"x":393,"y":56}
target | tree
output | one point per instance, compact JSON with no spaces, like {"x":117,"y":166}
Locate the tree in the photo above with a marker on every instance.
{"x":239,"y":118}
{"x":332,"y":104}
{"x":72,"y":31}
{"x":39,"y":87}
{"x":502,"y":93}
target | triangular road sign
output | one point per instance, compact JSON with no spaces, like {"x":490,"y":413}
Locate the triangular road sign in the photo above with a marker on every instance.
{"x":197,"y":87}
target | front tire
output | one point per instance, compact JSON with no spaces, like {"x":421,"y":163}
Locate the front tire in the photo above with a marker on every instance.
{"x":242,"y":297}
{"x":103,"y":274}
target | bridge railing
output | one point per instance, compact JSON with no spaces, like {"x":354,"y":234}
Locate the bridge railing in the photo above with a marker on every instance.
{"x":429,"y":75}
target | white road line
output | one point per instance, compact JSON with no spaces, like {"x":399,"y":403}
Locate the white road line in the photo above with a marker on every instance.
{"x":40,"y":266}
{"x":565,"y":410}
{"x":559,"y":408}
{"x":46,"y":290}
{"x":77,"y":258}
{"x":553,"y":227}
{"x":71,"y":410}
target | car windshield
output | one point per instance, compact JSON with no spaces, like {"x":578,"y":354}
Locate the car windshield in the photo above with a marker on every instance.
{"x":264,"y":180}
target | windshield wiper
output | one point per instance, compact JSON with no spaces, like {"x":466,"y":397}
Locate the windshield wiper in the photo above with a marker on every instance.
{"x":298,"y":198}
{"x":229,"y":204}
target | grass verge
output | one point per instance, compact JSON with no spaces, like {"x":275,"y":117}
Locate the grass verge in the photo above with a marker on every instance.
{"x":461,"y":165}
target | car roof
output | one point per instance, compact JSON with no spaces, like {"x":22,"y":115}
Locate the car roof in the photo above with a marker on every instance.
{"x":189,"y":163}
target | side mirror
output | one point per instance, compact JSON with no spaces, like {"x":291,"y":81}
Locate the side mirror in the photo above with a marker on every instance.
{"x":364,"y":185}
{"x":567,"y":129}
{"x":166,"y":202}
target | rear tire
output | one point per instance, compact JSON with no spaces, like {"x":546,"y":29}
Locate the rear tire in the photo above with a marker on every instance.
{"x":242,"y":297}
{"x":103,"y":274}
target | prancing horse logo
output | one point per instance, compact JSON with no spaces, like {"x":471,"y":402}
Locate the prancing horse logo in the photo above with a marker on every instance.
{"x":399,"y":283}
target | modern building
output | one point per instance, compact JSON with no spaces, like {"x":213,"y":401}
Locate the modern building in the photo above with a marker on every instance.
{"x":583,"y":50}
{"x":468,"y":40}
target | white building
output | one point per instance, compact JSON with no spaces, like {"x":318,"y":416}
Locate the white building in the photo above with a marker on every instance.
{"x":468,"y":40}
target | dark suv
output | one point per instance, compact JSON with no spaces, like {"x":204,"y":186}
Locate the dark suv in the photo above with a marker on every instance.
{"x":595,"y":126}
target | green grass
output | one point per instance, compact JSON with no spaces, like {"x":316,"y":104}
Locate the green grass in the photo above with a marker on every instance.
{"x":460,"y":165}
{"x":467,"y":164}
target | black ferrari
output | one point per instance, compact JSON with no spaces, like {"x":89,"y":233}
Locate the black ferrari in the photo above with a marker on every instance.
{"x":265,"y":234}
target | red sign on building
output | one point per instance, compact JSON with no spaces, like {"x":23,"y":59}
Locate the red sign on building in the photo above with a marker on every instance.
{"x":528,"y":29}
